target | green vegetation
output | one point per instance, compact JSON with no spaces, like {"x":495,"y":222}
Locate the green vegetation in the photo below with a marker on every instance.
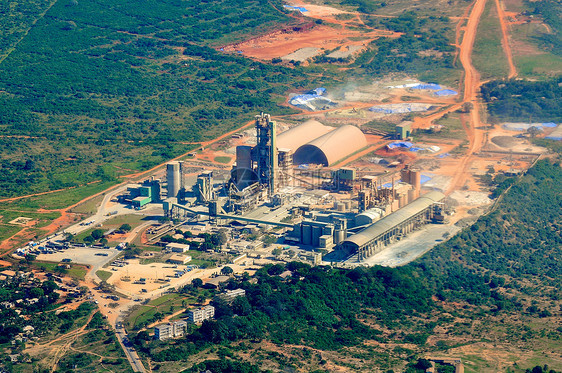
{"x":89,"y":207}
{"x":551,"y":12}
{"x":322,"y":311}
{"x":538,"y":65}
{"x":78,"y":272}
{"x":158,"y":308}
{"x":95,"y":351}
{"x":425,"y":42}
{"x":223,"y":159}
{"x":491,"y":271}
{"x":524,"y":100}
{"x":38,"y":297}
{"x":452,"y":127}
{"x":22,"y":16}
{"x":161,"y":77}
{"x":488,"y":55}
{"x":505,"y":242}
{"x":104,"y":275}
{"x":225,"y":366}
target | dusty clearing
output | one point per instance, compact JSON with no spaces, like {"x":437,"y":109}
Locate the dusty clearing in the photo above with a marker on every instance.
{"x":282,"y":43}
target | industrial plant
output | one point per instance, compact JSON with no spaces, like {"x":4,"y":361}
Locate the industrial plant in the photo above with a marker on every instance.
{"x":289,"y":184}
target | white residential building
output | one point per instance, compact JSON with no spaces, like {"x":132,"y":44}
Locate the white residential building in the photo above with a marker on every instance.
{"x":162,"y":332}
{"x":199,"y":315}
{"x":229,"y":295}
{"x":170,"y":330}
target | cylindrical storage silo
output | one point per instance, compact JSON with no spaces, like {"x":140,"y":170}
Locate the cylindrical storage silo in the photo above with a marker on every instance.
{"x":415,"y":178}
{"x":405,"y":175}
{"x":173,"y":176}
{"x":306,"y":234}
{"x":316,"y":233}
{"x":339,"y":236}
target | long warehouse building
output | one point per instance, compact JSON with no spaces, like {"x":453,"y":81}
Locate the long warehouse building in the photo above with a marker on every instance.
{"x":372,"y":239}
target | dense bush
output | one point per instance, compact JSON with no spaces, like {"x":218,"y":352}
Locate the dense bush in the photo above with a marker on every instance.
{"x":524,"y":100}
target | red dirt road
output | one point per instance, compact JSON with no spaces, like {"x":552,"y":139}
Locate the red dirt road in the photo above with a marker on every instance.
{"x":505,"y":40}
{"x":471,"y":84}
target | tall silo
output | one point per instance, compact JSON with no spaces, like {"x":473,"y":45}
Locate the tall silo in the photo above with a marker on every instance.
{"x":174,"y":178}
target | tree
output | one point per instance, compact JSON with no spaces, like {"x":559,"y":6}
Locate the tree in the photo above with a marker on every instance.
{"x":197,"y":282}
{"x":241,"y":306}
{"x":97,"y":234}
{"x":49,"y":286}
{"x":533,"y":131}
{"x":125,"y":227}
{"x":227,"y":271}
{"x":29,"y":258}
{"x":36,"y":293}
{"x":423,"y":364}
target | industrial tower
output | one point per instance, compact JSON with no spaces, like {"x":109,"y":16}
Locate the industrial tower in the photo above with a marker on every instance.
{"x":174,"y":177}
{"x":266,"y":152}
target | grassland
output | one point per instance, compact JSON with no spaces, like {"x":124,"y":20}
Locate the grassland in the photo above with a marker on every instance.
{"x":223,"y":159}
{"x":531,"y":59}
{"x":488,"y":56}
{"x":94,"y":350}
{"x":104,"y":275}
{"x":89,"y":207}
{"x":452,"y":127}
{"x":163,"y":306}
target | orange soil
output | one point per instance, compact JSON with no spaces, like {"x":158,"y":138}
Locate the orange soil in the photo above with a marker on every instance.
{"x":280,"y":43}
{"x":505,"y":40}
{"x":471,"y":84}
{"x":458,"y":32}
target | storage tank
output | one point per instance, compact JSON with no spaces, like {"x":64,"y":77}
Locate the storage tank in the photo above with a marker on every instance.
{"x":174,"y":178}
{"x":306,"y":238}
{"x":405,"y":175}
{"x":339,"y":236}
{"x":415,"y":179}
{"x":316,"y":233}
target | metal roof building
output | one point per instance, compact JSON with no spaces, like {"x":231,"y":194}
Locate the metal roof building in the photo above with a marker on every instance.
{"x":299,"y":135}
{"x":372,"y":239}
{"x":331,"y":147}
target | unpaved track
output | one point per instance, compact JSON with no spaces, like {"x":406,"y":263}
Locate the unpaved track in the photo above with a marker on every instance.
{"x":471,"y":85}
{"x":11,"y":199}
{"x":458,"y":30}
{"x":57,"y":351}
{"x":505,"y":40}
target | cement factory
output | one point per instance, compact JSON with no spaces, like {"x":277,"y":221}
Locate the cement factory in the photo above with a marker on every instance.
{"x":287,"y":183}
